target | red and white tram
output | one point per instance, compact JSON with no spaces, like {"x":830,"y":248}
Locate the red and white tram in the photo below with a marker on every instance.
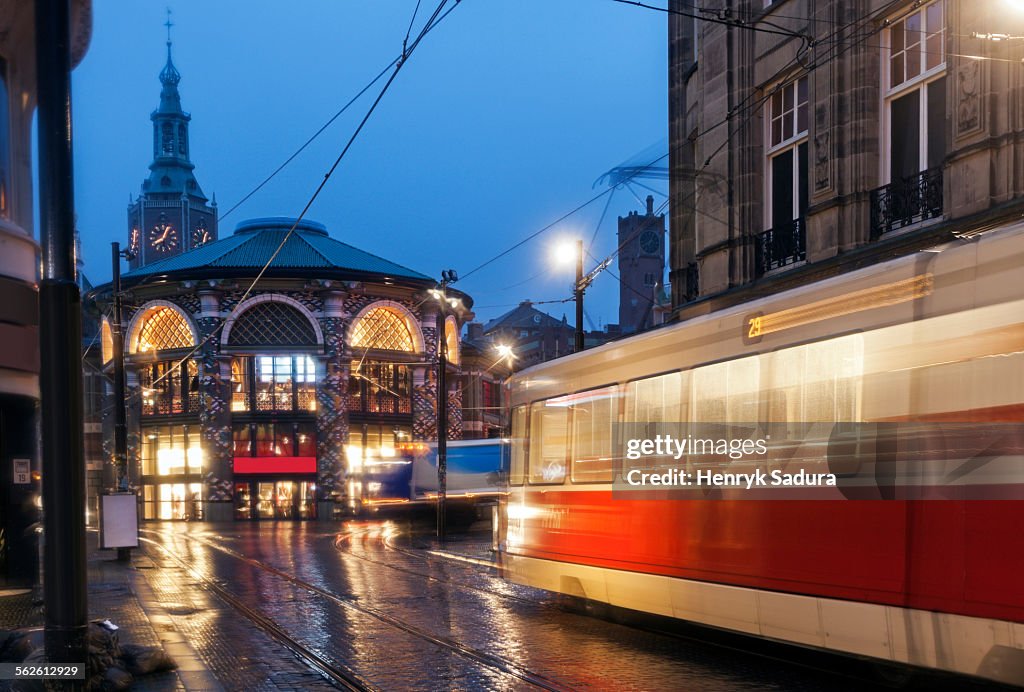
{"x":938,"y":583}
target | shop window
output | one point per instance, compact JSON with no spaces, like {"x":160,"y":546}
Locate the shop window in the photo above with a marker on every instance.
{"x":491,"y":395}
{"x":169,"y":387}
{"x":379,"y":387}
{"x":171,"y":450}
{"x":273,"y":383}
{"x":290,"y":439}
{"x":375,"y":441}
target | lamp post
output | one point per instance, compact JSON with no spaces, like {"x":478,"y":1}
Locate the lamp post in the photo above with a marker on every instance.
{"x":120,"y":414}
{"x":565,"y":253}
{"x":448,"y":276}
{"x":578,"y":295}
{"x":60,"y":344}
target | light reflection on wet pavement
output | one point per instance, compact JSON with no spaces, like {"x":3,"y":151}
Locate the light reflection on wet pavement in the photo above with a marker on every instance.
{"x":402,"y":618}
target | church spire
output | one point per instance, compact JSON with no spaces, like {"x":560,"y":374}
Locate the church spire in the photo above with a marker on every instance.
{"x":170,"y":100}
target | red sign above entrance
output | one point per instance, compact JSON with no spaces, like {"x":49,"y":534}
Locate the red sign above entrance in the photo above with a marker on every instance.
{"x":266,"y":465}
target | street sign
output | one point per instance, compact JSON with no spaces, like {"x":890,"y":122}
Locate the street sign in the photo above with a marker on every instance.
{"x":22,"y":471}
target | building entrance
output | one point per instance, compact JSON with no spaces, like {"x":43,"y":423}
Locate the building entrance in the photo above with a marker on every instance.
{"x":275,"y":499}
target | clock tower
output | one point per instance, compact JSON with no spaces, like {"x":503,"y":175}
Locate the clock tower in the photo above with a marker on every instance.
{"x":171,"y":215}
{"x":641,"y":267}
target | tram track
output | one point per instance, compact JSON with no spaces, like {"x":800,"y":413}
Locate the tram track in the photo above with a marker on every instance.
{"x":488,"y":660}
{"x":341,"y":676}
{"x":341,"y":539}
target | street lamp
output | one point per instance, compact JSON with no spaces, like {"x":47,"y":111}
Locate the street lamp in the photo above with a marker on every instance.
{"x":565,"y":255}
{"x":505,"y":353}
{"x":448,"y":276}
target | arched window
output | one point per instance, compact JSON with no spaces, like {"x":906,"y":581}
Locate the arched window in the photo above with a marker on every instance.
{"x":451,"y":337}
{"x":272,"y":324}
{"x":106,"y":341}
{"x":161,"y":328}
{"x":383,"y":328}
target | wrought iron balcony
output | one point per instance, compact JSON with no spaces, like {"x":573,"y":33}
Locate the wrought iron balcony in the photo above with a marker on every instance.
{"x":780,"y":246}
{"x":906,"y":202}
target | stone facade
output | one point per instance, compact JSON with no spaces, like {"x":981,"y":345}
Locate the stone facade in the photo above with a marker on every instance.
{"x":897,"y":144}
{"x":211,"y":308}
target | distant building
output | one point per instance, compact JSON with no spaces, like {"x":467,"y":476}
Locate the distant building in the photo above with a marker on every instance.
{"x":19,"y":262}
{"x":641,"y":265}
{"x":484,"y":370}
{"x":536,"y":336}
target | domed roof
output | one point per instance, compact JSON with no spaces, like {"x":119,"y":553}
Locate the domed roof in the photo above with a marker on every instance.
{"x":308,"y":251}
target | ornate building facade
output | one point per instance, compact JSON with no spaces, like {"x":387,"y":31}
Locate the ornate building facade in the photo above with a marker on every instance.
{"x":266,"y":368}
{"x":265,"y":401}
{"x":811,"y":138}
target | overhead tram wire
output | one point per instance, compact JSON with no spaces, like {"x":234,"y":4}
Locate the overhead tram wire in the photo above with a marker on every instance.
{"x":310,"y":140}
{"x":736,"y":23}
{"x":436,"y":18}
{"x":334,"y":117}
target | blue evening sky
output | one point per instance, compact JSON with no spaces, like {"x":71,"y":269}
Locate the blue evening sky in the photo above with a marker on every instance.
{"x":499,"y":124}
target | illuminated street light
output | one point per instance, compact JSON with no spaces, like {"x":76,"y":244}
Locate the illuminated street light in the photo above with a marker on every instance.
{"x":564,"y":254}
{"x":505,"y":352}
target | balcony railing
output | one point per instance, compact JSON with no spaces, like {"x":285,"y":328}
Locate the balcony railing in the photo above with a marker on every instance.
{"x":381,"y":403}
{"x":780,"y":246}
{"x":906,"y":202}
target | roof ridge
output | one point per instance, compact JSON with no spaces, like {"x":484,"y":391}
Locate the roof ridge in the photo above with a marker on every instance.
{"x":328,"y":238}
{"x":311,"y":246}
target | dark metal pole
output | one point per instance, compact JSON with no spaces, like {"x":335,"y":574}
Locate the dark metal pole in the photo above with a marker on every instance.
{"x":60,"y":346}
{"x":579,"y":296}
{"x":442,"y":417}
{"x":120,"y":414}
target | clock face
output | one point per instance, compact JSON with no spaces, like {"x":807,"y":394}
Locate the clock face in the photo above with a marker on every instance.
{"x":650,"y":242}
{"x":163,"y":237}
{"x":134,"y":240}
{"x":200,"y":234}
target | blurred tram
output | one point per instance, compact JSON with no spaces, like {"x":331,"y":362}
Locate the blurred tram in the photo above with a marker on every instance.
{"x":409,"y":475}
{"x":934,"y":337}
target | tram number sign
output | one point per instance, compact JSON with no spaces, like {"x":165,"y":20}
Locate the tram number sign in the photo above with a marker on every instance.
{"x":22,"y":471}
{"x":753,"y":328}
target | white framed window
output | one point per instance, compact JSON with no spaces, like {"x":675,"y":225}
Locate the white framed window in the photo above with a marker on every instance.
{"x":786,"y":166}
{"x":914,"y":92}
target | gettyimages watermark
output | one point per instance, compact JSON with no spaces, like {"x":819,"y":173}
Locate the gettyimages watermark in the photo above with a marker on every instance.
{"x":818,"y":461}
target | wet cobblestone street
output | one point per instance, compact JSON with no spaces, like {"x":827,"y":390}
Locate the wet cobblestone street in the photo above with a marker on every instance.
{"x":373,"y":599}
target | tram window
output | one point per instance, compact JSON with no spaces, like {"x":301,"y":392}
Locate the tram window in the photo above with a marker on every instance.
{"x":661,"y":399}
{"x":728,"y":394}
{"x":594,"y":414}
{"x":517,"y":461}
{"x":549,"y":441}
{"x":815,"y":383}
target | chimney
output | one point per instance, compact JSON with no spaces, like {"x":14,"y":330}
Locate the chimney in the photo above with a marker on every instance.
{"x":650,"y":205}
{"x":475,"y":331}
